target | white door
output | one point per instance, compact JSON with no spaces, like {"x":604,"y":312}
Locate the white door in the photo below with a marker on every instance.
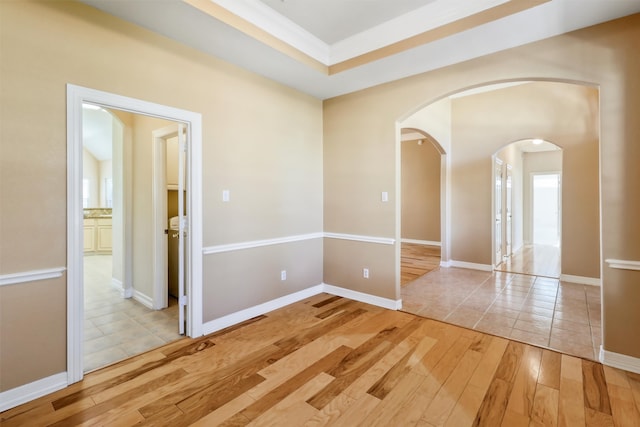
{"x":182,"y":233}
{"x":509,"y":212}
{"x":498,"y":211}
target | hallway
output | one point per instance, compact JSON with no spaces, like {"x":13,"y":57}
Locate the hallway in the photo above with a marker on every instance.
{"x":532,"y":309}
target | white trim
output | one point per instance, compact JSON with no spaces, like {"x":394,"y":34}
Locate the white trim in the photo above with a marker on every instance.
{"x":591,"y":281}
{"x":117,"y":284}
{"x":623,"y":264}
{"x":259,"y":243}
{"x":260,"y":309}
{"x":76,"y":96}
{"x":31,"y":276}
{"x":362,"y":297}
{"x":159,"y":245}
{"x":620,"y":361}
{"x":358,"y":238}
{"x":143,"y":299}
{"x":421,"y":242}
{"x":469,"y":265}
{"x":28,"y":392}
{"x":445,"y":264}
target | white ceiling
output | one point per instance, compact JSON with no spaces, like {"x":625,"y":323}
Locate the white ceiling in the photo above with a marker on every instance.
{"x":97,"y":130}
{"x":331,"y":31}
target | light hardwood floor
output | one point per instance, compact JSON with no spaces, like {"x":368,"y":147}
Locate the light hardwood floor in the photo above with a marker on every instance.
{"x":332,"y":361}
{"x":417,"y":260}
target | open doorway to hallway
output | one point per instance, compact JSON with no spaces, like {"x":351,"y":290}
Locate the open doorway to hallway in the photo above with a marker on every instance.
{"x":531,"y":200}
{"x":421,"y":205}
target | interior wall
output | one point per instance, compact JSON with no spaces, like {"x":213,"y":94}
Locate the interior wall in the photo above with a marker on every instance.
{"x":420,"y":191}
{"x":261,"y":140}
{"x":91,"y":171}
{"x":365,"y":122}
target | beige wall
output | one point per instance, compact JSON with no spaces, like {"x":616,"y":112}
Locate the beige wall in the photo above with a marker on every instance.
{"x":363,"y":124}
{"x":261,"y":140}
{"x":420,"y":191}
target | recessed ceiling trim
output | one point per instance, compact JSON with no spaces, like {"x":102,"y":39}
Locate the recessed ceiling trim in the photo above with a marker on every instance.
{"x":432,"y":15}
{"x":222,"y":14}
{"x":503,"y":10}
{"x":264,"y":17}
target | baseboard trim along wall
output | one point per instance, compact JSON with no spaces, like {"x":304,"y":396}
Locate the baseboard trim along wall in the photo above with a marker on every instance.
{"x":31,"y":276}
{"x":28,"y":392}
{"x":591,"y":281}
{"x":468,"y":265}
{"x":258,"y":310}
{"x":421,"y":242}
{"x":620,"y":361}
{"x":143,"y":299}
{"x":362,"y":297}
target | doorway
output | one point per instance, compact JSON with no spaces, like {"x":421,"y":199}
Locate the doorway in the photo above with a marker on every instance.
{"x":421,"y":186}
{"x":76,"y":97}
{"x":546,"y":209}
{"x":123,"y":316}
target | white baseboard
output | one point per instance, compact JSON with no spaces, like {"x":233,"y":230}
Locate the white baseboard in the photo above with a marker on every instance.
{"x":470,"y":265}
{"x":362,"y":297}
{"x":143,"y":299}
{"x":260,"y":309}
{"x":257,"y":310}
{"x":421,"y":242}
{"x":117,"y":284}
{"x":25,"y":393}
{"x":620,"y":361}
{"x":580,"y":280}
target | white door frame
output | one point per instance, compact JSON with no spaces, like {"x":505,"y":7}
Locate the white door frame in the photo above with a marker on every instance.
{"x":76,"y":96}
{"x":497,"y":257}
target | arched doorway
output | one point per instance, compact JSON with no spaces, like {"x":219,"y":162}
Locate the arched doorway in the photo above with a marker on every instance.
{"x":528,"y":308}
{"x":528,"y":208}
{"x":421,"y":204}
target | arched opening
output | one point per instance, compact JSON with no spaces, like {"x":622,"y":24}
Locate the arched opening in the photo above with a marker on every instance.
{"x":421,"y":204}
{"x":473,"y":127}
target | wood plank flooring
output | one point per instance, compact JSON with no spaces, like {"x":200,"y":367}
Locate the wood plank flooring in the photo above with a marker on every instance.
{"x":417,"y":260}
{"x":332,"y":361}
{"x":536,"y":260}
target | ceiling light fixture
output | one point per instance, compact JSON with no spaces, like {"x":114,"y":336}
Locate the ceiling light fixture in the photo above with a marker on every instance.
{"x":537,"y":141}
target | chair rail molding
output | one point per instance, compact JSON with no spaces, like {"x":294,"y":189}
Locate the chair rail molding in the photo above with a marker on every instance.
{"x":31,"y":276}
{"x":623,"y":264}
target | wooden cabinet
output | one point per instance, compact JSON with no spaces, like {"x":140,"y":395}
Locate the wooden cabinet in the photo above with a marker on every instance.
{"x":97,"y":235}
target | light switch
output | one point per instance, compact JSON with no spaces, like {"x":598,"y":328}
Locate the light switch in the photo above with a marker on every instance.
{"x":385,"y":196}
{"x":225,"y":195}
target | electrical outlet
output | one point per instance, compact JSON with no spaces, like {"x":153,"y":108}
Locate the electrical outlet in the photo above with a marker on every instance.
{"x":283,"y":275}
{"x":365,"y":273}
{"x":225,"y":195}
{"x":385,"y":196}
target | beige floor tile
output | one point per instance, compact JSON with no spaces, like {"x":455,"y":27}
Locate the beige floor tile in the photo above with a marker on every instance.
{"x":521,"y":307}
{"x":530,"y":337}
{"x":536,"y":327}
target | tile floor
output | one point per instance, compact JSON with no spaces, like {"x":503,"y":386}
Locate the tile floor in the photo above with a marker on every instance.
{"x":535,"y":310}
{"x":116,"y":328}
